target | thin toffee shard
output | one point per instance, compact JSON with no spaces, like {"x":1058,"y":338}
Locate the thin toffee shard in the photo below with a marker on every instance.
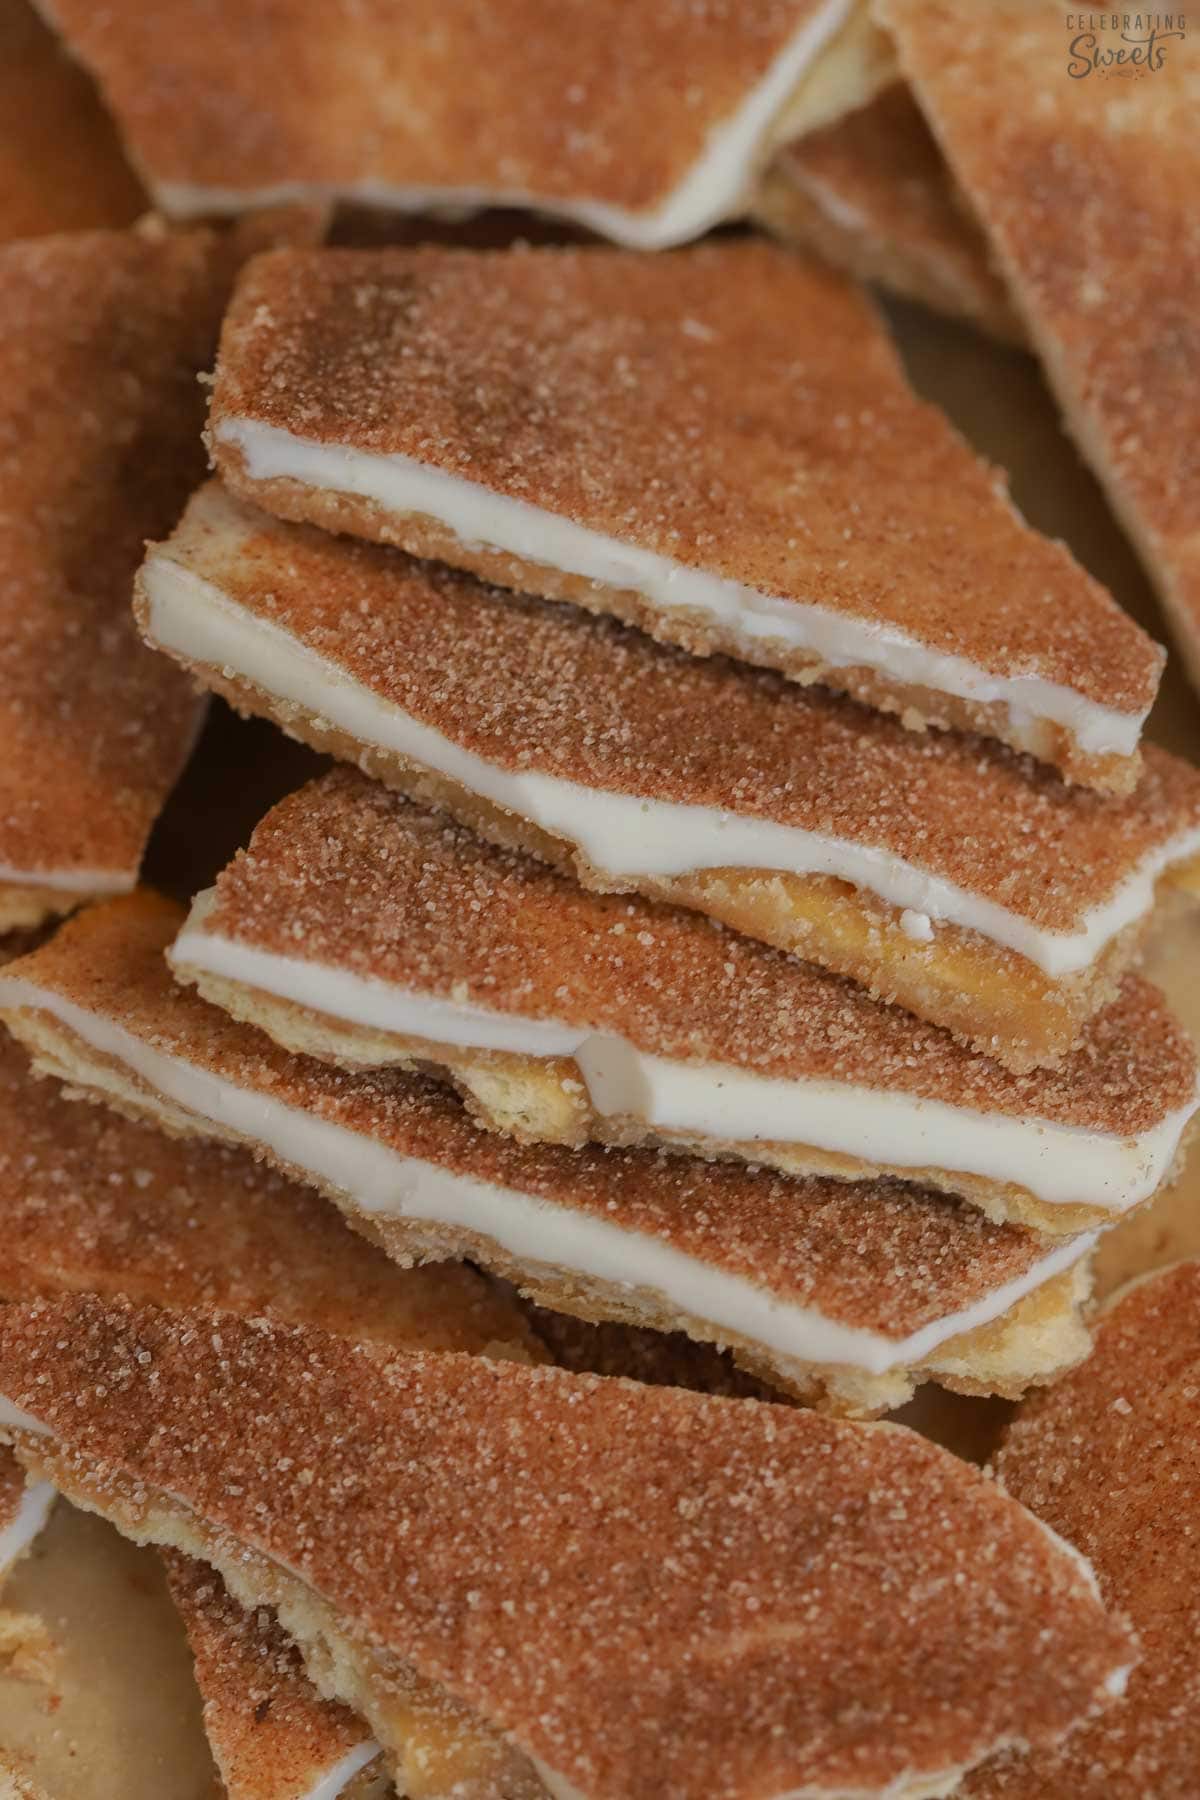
{"x":1086,"y":194}
{"x":843,"y":1293}
{"x":719,"y":445}
{"x":100,"y":413}
{"x":1111,"y":1461}
{"x":635,"y":1590}
{"x":645,"y":123}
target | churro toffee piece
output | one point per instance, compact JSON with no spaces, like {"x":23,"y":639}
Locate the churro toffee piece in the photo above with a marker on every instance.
{"x":366,"y":931}
{"x":871,"y":193}
{"x":1111,"y":1460}
{"x":843,"y":1293}
{"x":719,"y":445}
{"x":1083,"y":172}
{"x":100,"y":415}
{"x":646,"y":123}
{"x":645,"y":1592}
{"x":945,"y":874}
{"x":61,"y":166}
{"x":94,"y":1201}
{"x":271,"y":1734}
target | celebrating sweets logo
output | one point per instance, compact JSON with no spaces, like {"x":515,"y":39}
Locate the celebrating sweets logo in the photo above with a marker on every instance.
{"x":1121,"y":43}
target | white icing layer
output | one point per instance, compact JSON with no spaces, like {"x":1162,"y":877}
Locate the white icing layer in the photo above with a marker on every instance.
{"x":1059,"y":1164}
{"x":13,"y":1419}
{"x":478,"y":515}
{"x":715,"y":187}
{"x":343,"y":1772}
{"x":382,"y":1182}
{"x":33,"y":1509}
{"x":71,"y":881}
{"x":625,"y":835}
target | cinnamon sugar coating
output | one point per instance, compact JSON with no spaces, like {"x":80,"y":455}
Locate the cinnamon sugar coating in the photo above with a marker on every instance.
{"x":729,"y":407}
{"x":534,"y":687}
{"x":100,"y":416}
{"x":654,"y":1593}
{"x":1086,"y":188}
{"x":594,"y":100}
{"x":884,"y":1256}
{"x":347,"y":875}
{"x":92,"y":1201}
{"x":871,"y":193}
{"x":271,"y":1734}
{"x":1111,"y":1460}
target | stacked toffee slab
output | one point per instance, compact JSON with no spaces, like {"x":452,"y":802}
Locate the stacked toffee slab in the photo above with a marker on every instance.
{"x":799,"y":1016}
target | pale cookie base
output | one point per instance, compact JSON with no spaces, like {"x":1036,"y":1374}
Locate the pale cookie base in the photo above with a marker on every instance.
{"x":437,"y":1748}
{"x":25,"y":908}
{"x":918,"y":708}
{"x":990,"y":998}
{"x":1035,"y":1341}
{"x":545,"y":1101}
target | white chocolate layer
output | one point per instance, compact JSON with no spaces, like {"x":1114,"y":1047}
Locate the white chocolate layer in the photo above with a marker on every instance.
{"x":1059,"y":1164}
{"x":32,"y":1512}
{"x":335,"y":1779}
{"x":71,"y":881}
{"x":478,"y":515}
{"x":13,"y":1419}
{"x":716,"y":187}
{"x":626,"y":835}
{"x":383,"y":1183}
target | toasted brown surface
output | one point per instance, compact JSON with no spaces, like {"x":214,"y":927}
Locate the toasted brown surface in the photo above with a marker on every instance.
{"x":96,"y":1202}
{"x":888,"y":1257}
{"x":1111,"y":1460}
{"x":673,"y":1625}
{"x":347,"y":875}
{"x":1086,"y":189}
{"x":594,"y":100}
{"x":272,"y":1736}
{"x":100,"y":415}
{"x":771,"y":440}
{"x":61,"y":164}
{"x":872,"y":194}
{"x":530,"y":686}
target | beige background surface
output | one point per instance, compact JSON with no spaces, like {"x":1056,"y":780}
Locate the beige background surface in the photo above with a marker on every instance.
{"x":119,"y":1716}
